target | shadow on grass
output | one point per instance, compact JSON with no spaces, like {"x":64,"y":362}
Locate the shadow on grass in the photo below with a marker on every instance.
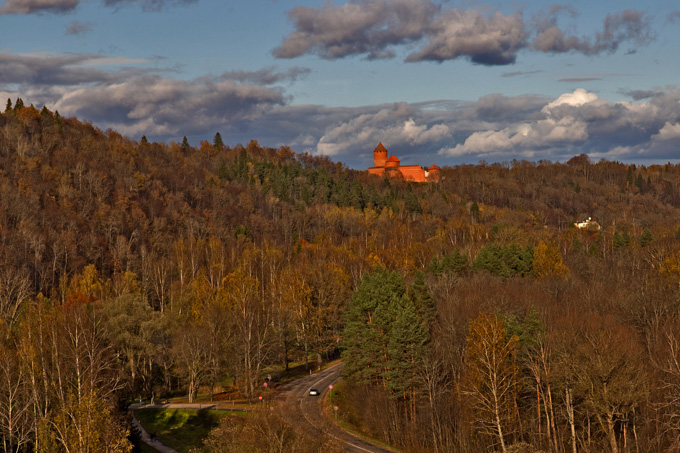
{"x":180,"y":429}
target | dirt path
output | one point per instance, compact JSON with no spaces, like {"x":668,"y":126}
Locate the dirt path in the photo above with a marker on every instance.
{"x":146,"y":437}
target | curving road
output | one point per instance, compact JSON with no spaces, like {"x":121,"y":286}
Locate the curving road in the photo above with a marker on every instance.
{"x":308,"y":409}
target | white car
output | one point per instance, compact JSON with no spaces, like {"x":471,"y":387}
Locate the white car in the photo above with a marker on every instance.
{"x":313,"y":392}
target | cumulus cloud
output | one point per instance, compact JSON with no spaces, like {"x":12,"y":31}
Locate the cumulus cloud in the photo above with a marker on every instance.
{"x":140,"y":100}
{"x":669,"y":131}
{"x":395,"y":126}
{"x":576,"y":99}
{"x":629,"y":26}
{"x":254,"y":104}
{"x":356,"y":28}
{"x":65,"y":6}
{"x":492,"y":40}
{"x":267,"y":76}
{"x":525,"y":139}
{"x":156,"y":106}
{"x":577,"y":122}
{"x":375,"y":29}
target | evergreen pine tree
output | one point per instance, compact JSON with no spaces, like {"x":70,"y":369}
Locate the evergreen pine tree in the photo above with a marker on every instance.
{"x":474,"y":211}
{"x":58,"y":120}
{"x":645,"y":238}
{"x":223,"y":172}
{"x":8,"y":107}
{"x":217,"y":141}
{"x":454,"y":262}
{"x":629,"y":177}
{"x":422,"y":299}
{"x":367,"y":325}
{"x":412,"y":203}
{"x":19,"y":104}
{"x":408,"y":346}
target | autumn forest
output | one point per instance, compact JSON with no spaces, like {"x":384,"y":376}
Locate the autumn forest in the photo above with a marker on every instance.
{"x":472,"y":314}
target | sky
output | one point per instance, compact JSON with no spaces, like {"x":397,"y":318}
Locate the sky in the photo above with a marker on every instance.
{"x":437,"y":82}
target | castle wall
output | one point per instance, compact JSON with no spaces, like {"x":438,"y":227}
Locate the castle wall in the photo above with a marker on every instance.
{"x":413,"y":173}
{"x":380,"y":171}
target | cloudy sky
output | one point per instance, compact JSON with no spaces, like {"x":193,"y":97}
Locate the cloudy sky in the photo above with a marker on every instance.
{"x":443,"y":82}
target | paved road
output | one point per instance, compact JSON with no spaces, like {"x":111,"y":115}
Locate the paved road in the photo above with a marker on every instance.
{"x":310,"y":409}
{"x":305,"y":409}
{"x":200,"y":406}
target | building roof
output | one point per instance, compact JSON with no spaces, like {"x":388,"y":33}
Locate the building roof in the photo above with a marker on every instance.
{"x":433,"y":167}
{"x":392,"y":158}
{"x":380,"y":149}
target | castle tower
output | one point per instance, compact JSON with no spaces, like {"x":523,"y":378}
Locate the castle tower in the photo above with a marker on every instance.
{"x":379,"y":156}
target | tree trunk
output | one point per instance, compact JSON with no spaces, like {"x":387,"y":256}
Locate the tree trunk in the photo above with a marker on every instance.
{"x":570,"y":416}
{"x":611,"y":435}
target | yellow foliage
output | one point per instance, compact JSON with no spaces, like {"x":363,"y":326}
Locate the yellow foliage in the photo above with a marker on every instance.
{"x":374,"y":261}
{"x":200,"y":292}
{"x":127,"y":283}
{"x":238,"y":289}
{"x":548,"y":262}
{"x":670,"y":268}
{"x":88,"y":283}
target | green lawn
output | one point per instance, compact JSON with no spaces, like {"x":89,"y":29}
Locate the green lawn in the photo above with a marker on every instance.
{"x":181,"y":429}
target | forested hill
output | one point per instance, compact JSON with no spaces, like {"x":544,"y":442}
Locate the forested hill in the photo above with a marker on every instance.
{"x":72,"y":195}
{"x":206,"y":261}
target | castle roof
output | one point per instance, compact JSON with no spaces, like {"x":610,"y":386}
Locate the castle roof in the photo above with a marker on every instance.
{"x":380,"y":149}
{"x":392,"y":158}
{"x":433,"y":167}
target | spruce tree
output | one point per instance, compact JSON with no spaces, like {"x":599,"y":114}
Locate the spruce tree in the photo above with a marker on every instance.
{"x":217,"y":141}
{"x":367,"y":325}
{"x":454,"y":262}
{"x":645,"y":238}
{"x":409,"y":337}
{"x":474,"y":211}
{"x":422,"y":299}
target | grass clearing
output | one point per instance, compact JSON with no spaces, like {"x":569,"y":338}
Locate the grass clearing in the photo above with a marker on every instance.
{"x":181,"y":429}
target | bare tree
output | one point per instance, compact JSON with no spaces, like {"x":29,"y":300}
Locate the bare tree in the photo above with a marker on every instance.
{"x":490,"y":374}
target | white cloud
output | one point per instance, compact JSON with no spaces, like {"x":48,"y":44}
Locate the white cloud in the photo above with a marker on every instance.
{"x":486,"y":40}
{"x":522,"y":137}
{"x":393,"y":126}
{"x":576,"y":99}
{"x":377,"y":28}
{"x":669,"y":131}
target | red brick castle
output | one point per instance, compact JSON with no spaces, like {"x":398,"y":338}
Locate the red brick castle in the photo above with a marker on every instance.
{"x":391,"y":168}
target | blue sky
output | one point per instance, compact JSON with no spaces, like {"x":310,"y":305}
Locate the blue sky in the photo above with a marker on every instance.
{"x":440,"y":82}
